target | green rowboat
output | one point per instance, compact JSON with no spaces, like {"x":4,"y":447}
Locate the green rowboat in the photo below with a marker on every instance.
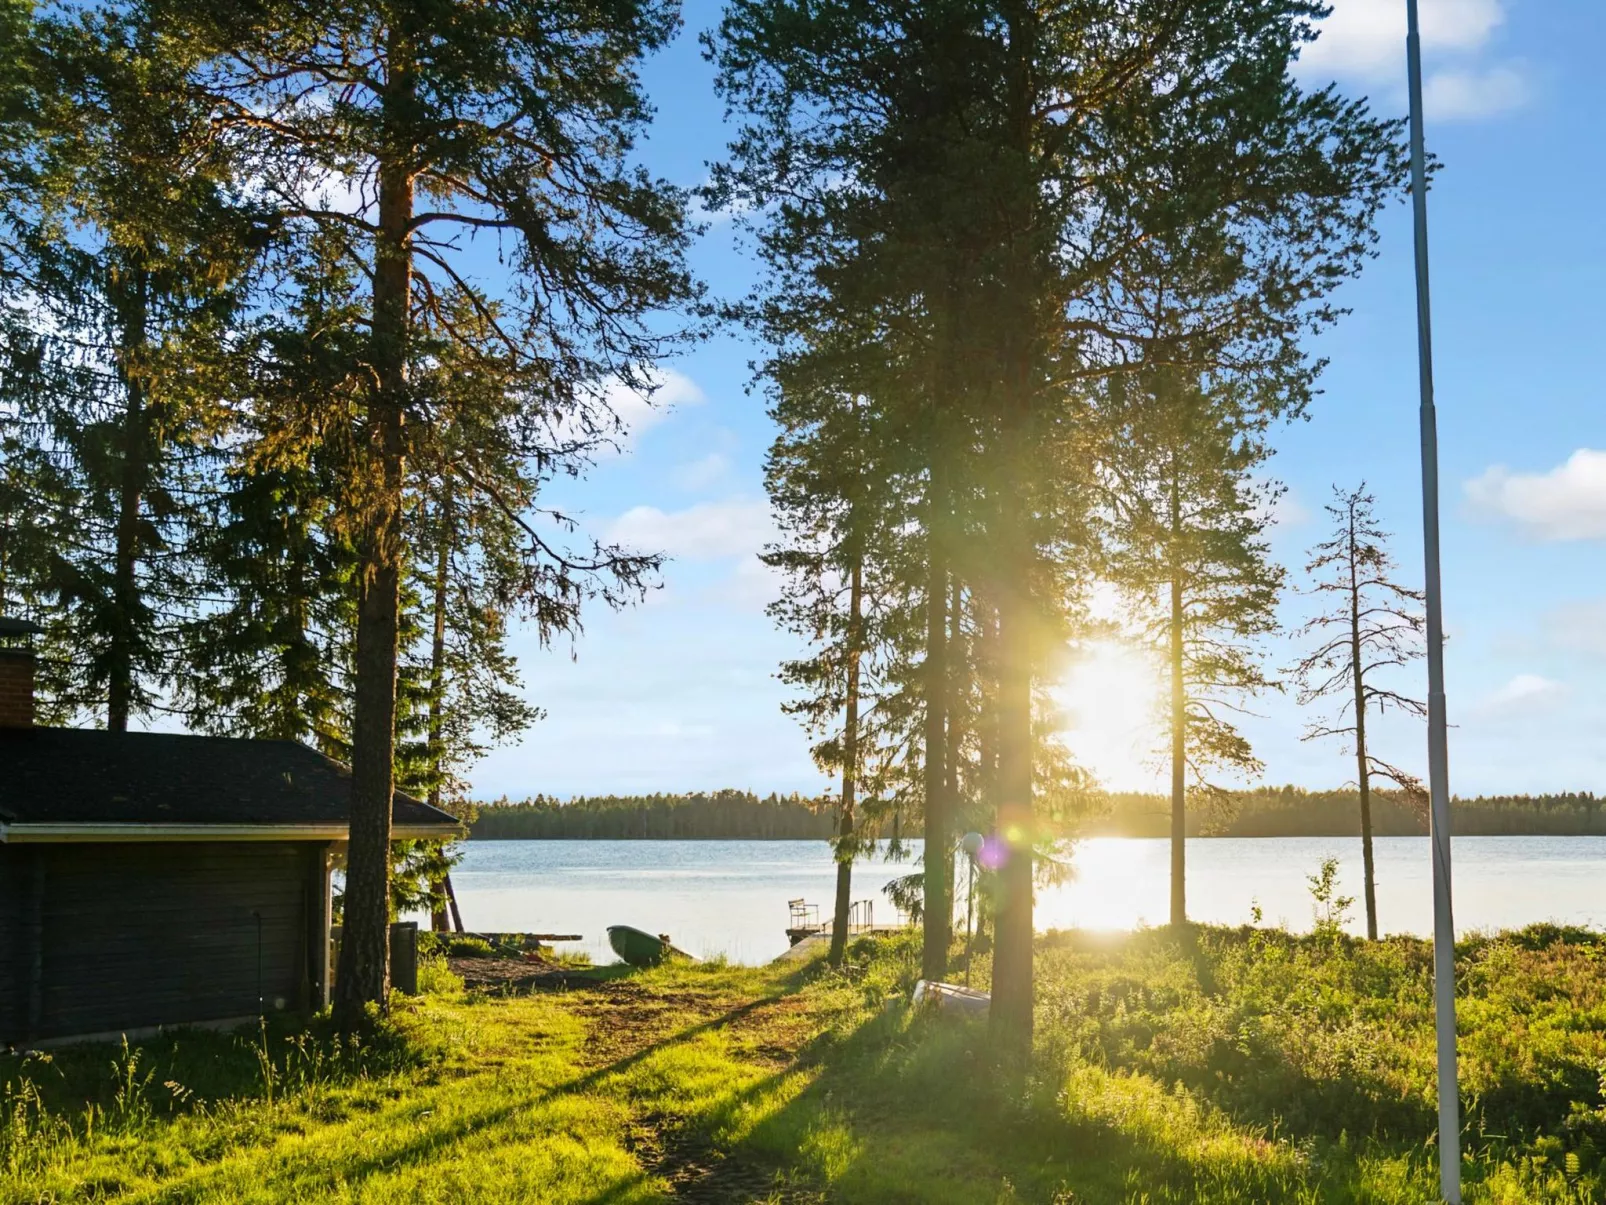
{"x":641,"y":949}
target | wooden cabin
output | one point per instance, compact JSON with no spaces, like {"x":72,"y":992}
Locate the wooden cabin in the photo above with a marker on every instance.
{"x":152,"y":879}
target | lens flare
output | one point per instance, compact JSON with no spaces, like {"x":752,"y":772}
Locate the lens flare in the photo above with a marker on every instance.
{"x":994,"y":853}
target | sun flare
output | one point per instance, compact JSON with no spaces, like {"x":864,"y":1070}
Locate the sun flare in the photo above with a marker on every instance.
{"x":1110,"y":697}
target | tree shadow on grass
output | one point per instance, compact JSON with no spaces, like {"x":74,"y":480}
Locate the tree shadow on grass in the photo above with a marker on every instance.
{"x":908,"y":1110}
{"x":435,"y":1143}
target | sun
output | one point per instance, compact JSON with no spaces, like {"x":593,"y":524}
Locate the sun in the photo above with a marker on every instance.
{"x":1111,"y":696}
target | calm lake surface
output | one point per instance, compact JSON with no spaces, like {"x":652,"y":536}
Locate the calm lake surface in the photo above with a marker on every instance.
{"x":730,"y":897}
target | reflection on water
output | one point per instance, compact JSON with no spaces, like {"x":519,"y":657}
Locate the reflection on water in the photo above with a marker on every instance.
{"x":730,"y":897}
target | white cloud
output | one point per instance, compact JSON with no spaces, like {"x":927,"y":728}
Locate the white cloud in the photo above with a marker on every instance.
{"x":639,"y":409}
{"x":634,"y":409}
{"x":1367,"y":37}
{"x":753,"y":585}
{"x":1364,"y":41}
{"x":1448,"y":95}
{"x":1284,"y":509}
{"x":699,"y":211}
{"x":1578,"y":627}
{"x":356,"y":195}
{"x":677,"y":730}
{"x":1525,"y":692}
{"x":704,"y":532}
{"x":701,"y":473}
{"x":1567,"y":503}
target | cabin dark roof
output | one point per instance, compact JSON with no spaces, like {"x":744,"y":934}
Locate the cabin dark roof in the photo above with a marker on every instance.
{"x":77,"y":776}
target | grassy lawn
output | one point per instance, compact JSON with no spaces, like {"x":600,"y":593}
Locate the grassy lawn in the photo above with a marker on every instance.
{"x":1236,"y":1066}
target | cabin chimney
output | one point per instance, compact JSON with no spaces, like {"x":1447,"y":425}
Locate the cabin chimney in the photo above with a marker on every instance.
{"x":16,"y":672}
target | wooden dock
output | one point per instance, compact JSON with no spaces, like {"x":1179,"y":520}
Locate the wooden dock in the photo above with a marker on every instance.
{"x":796,"y":935}
{"x":804,"y":921}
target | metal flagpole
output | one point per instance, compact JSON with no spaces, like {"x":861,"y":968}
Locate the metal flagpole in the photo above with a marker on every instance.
{"x":1438,"y":751}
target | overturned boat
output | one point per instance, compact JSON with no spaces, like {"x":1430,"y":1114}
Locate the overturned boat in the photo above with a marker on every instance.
{"x":640,"y":948}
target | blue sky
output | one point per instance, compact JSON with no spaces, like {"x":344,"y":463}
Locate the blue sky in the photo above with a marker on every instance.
{"x":679,"y":693}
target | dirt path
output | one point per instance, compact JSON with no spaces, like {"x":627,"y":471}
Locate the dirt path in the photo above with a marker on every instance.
{"x":628,"y":1020}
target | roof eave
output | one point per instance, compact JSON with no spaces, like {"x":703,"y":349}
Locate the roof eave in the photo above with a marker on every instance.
{"x":25,"y":834}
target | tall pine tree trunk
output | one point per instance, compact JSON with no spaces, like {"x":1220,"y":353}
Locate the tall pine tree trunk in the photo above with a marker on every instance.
{"x":1362,"y":777}
{"x":1011,"y":1015}
{"x":364,"y":973}
{"x":985,"y":616}
{"x":847,"y":850}
{"x":130,"y":499}
{"x":437,"y":688}
{"x":957,"y":677}
{"x":959,"y":668}
{"x":1179,"y":725}
{"x":938,"y":911}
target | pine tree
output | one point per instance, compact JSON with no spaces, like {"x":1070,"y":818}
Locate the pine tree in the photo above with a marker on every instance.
{"x":448,"y":120}
{"x":976,"y":188}
{"x":830,"y":508}
{"x":1373,"y":627}
{"x":1191,"y":555}
{"x":865,"y":260}
{"x":471,"y":579}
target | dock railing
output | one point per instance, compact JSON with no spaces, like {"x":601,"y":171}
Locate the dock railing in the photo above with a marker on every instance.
{"x":861,"y":916}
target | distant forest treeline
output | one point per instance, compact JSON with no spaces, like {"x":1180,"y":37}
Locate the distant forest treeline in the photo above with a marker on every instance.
{"x":713,"y":815}
{"x":1263,"y":812}
{"x":1295,"y":812}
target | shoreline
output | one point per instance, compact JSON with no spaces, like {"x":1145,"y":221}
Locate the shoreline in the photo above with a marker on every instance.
{"x":1095,"y":836}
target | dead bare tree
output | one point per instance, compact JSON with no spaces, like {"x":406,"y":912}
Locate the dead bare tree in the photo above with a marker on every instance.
{"x":1372,"y":627}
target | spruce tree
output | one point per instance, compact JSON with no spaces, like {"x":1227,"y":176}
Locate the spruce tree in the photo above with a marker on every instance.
{"x":272,"y":656}
{"x":471,"y":579}
{"x":130,"y":258}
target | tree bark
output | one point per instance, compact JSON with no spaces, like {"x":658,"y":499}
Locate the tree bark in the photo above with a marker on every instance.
{"x":850,"y":775}
{"x":957,"y":677}
{"x":130,"y":498}
{"x":364,"y":975}
{"x":938,"y":904}
{"x":1011,"y":1013}
{"x":437,"y":687}
{"x":1010,"y":1017}
{"x":1362,"y":777}
{"x":1179,"y":726}
{"x":986,"y":620}
{"x":960,"y":667}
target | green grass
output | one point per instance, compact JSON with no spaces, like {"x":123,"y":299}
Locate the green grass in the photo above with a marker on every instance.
{"x":1225,"y":1066}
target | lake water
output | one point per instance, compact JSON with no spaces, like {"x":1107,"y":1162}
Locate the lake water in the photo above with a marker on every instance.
{"x":730,"y":897}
